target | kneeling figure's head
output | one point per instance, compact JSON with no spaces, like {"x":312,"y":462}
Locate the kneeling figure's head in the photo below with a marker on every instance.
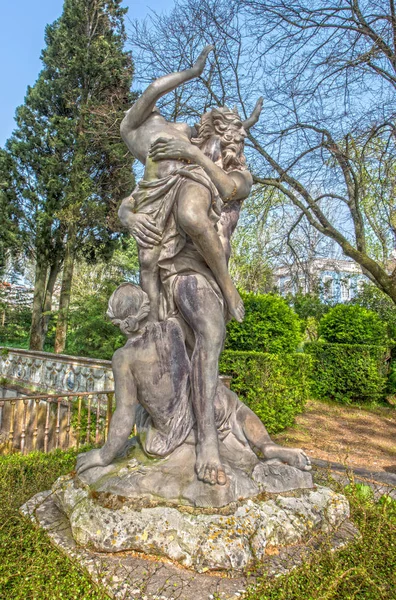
{"x":128,"y":307}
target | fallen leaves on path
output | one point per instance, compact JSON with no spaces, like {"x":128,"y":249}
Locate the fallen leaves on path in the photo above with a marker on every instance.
{"x":351,"y":436}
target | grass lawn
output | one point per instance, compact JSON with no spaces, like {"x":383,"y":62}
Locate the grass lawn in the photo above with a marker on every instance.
{"x":31,"y":568}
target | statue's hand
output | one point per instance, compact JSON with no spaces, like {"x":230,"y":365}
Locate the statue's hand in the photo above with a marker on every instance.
{"x":199,"y":65}
{"x":144,"y":230}
{"x":166,"y":149}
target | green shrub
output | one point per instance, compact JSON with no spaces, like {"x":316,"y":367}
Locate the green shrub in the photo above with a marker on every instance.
{"x":270,"y":325}
{"x":274,"y":386}
{"x":369,"y":296}
{"x":16,"y":328}
{"x":348,"y":372}
{"x":391,"y":386}
{"x":352,"y":324}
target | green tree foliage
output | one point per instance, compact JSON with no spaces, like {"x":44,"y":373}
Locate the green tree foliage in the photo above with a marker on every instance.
{"x":10,"y":234}
{"x":274,"y":386}
{"x":348,"y":324}
{"x":270,"y":325}
{"x":348,"y":372}
{"x":308,"y":305}
{"x":70,"y":166}
{"x":253,"y":244}
{"x":370,"y":297}
{"x":90,"y":333}
{"x":310,"y":308}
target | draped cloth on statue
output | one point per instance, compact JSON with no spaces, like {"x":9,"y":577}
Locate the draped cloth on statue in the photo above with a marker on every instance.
{"x":177,"y":253}
{"x":164,"y":426}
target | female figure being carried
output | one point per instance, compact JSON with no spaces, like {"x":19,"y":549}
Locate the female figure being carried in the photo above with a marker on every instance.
{"x":196,"y":191}
{"x":173,"y":214}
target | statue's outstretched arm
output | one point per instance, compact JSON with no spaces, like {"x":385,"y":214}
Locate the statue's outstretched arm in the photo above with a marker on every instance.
{"x":122,"y":420}
{"x":145,"y":104}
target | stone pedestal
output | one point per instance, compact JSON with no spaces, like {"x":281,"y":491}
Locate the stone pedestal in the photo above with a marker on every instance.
{"x":136,"y":576}
{"x":160,"y":508}
{"x":230,"y":539}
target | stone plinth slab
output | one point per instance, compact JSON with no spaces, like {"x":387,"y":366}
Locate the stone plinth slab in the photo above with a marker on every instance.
{"x":137,"y":478}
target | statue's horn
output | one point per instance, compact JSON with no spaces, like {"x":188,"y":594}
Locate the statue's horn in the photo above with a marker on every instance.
{"x":254,"y":117}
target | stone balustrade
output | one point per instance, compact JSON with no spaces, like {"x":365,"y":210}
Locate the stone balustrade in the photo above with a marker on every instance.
{"x":47,"y":372}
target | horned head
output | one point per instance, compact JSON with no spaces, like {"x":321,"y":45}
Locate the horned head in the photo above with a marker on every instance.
{"x":254,"y":117}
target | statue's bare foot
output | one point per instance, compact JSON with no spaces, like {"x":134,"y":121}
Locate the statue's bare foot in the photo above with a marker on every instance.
{"x":208,"y":466}
{"x":90,"y":459}
{"x":235,"y":305}
{"x":291,"y":456}
{"x":201,"y":60}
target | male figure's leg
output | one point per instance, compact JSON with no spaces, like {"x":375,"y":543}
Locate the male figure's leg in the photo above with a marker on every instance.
{"x":202,"y":310}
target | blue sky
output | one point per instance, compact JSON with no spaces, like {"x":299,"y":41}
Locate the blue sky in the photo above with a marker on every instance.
{"x":22,"y":24}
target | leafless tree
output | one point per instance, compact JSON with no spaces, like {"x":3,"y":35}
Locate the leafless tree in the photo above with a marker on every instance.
{"x":327,"y":137}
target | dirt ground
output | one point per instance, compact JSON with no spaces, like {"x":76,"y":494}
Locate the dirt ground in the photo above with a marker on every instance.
{"x":351,"y":436}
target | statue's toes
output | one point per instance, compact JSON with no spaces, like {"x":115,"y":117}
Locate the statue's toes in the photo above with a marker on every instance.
{"x":221,"y":477}
{"x":80,"y":459}
{"x":304,"y":461}
{"x":209,"y":475}
{"x":213,"y":476}
{"x":201,"y":473}
{"x":307,"y":462}
{"x":80,"y":465}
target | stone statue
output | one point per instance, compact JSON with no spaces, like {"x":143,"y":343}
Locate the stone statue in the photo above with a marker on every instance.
{"x":182,"y":215}
{"x":149,"y":493}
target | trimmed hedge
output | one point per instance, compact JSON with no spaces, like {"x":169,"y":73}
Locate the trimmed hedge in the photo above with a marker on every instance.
{"x":352,"y":324}
{"x":270,"y":325}
{"x":348,"y":372}
{"x":274,"y":386}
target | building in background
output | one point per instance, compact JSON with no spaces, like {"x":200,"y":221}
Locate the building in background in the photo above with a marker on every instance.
{"x":336,"y":280}
{"x":16,"y":294}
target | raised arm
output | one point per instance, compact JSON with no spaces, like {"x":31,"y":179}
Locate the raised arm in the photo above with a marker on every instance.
{"x":145,"y":104}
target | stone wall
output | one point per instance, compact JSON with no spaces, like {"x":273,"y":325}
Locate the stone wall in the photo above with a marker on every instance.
{"x":47,"y":372}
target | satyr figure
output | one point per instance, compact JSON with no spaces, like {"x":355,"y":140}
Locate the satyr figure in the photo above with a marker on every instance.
{"x":151,"y":375}
{"x":182,"y":215}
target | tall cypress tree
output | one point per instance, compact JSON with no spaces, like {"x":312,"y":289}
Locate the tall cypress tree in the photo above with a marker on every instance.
{"x":10,"y":234}
{"x":71,"y":167}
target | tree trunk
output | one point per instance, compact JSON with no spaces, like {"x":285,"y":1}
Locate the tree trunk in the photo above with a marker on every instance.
{"x":36,"y":330}
{"x":53,"y":274}
{"x":67,"y":278}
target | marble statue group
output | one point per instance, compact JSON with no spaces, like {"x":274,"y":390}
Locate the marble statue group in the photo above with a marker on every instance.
{"x":182,"y":215}
{"x":188,"y":471}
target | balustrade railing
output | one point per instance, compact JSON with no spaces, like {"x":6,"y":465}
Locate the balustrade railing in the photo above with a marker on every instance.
{"x":48,"y":421}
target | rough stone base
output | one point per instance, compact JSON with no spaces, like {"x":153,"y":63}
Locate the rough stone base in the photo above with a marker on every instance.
{"x":138,"y":577}
{"x":231,"y":539}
